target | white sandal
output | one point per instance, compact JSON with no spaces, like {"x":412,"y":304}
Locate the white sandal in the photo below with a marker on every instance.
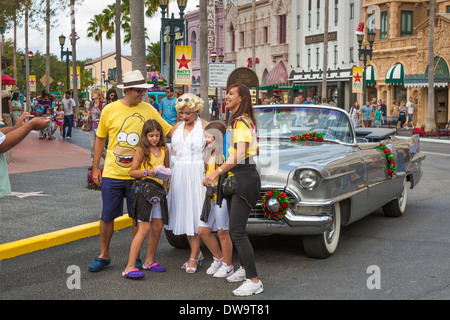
{"x":200,"y":257}
{"x":199,"y":261}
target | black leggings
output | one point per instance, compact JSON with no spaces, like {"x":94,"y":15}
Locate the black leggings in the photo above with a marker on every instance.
{"x":239,"y":210}
{"x":402,"y":119}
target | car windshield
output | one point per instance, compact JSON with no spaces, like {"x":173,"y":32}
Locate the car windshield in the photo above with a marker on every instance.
{"x":284,"y":122}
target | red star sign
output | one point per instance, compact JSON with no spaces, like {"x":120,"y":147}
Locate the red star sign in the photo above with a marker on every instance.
{"x":357,"y":77}
{"x":183,"y":62}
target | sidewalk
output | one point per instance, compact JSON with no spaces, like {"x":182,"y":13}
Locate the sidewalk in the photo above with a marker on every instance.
{"x":406,"y":133}
{"x":50,"y":204}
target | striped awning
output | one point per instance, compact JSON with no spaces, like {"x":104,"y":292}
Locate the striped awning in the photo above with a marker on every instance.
{"x":370,"y":76}
{"x":277,"y":75}
{"x":395,"y":74}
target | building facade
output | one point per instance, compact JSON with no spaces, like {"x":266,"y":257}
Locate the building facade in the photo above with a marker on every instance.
{"x":193,"y":31}
{"x":307,"y":50}
{"x":272,"y":40}
{"x":400,"y":55}
{"x":108,"y":63}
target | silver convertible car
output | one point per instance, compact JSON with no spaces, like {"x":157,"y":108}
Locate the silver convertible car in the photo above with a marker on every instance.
{"x":319,"y":174}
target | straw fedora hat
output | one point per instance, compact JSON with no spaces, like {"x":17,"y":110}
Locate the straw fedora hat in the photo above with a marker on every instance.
{"x":134,"y":79}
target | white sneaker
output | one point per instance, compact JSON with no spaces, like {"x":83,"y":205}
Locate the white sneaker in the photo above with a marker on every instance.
{"x":224,"y":271}
{"x":237,"y":276}
{"x":215,"y":265}
{"x":406,"y":128}
{"x":248,"y":288}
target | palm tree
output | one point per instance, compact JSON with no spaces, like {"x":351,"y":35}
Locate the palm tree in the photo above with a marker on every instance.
{"x":118,"y":46}
{"x":154,"y":54}
{"x":96,"y":27}
{"x":138,"y":60}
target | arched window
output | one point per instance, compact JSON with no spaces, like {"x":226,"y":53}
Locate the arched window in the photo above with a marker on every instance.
{"x":194,"y":44}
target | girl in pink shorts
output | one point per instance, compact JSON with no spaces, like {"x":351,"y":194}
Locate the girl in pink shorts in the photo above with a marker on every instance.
{"x":59,"y":120}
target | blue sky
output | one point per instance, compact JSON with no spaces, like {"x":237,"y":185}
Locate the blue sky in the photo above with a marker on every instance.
{"x":87,"y":47}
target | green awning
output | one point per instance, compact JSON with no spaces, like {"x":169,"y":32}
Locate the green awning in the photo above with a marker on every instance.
{"x":395,"y":74}
{"x":370,"y":76}
{"x":283,"y":86}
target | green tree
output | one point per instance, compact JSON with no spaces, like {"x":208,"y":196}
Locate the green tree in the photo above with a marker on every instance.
{"x":154,"y":54}
{"x":98,"y":26}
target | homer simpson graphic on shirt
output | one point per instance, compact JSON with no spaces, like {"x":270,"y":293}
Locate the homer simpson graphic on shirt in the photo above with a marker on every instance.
{"x":128,"y":140}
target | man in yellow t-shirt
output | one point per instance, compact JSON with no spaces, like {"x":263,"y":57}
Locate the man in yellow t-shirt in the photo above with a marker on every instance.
{"x":122,"y":122}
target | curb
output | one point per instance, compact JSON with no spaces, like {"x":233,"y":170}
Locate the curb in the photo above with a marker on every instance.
{"x":56,"y":238}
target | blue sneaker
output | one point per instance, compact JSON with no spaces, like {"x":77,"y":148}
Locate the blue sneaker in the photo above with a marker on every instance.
{"x":99,"y":264}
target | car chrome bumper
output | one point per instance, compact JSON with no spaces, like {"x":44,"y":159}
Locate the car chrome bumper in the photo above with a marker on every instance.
{"x":291,"y":225}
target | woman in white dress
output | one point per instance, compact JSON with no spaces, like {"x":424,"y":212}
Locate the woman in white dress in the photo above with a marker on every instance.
{"x":186,"y":192}
{"x":354,"y":114}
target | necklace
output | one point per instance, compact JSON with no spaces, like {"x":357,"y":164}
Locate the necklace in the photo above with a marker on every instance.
{"x":157,"y":153}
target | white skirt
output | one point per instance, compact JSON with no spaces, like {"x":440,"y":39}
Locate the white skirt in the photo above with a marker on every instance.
{"x":185,"y":197}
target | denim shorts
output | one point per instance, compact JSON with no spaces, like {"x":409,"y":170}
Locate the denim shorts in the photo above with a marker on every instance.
{"x":113,"y":193}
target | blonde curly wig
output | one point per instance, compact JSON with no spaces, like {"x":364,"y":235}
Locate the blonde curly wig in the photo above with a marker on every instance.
{"x":194,"y":103}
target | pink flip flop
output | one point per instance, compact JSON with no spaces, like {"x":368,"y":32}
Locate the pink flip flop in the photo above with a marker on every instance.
{"x":156,"y":267}
{"x":133,"y":274}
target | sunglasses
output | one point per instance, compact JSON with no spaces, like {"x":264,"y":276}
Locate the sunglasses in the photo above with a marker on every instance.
{"x":185,"y":99}
{"x":139,"y":90}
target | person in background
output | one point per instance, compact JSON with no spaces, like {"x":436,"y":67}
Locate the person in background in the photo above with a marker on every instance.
{"x":410,"y":109}
{"x":16,"y":107}
{"x":93,"y":119}
{"x":384,"y":110}
{"x":167,"y":107}
{"x":395,"y":112}
{"x":366,"y":114}
{"x":354,"y":114}
{"x":69,"y":107}
{"x":111,"y":96}
{"x":152,"y":100}
{"x":44,"y":104}
{"x":308,"y":101}
{"x":402,"y":114}
{"x":47,"y":132}
{"x":379,"y":120}
{"x":59,"y":120}
{"x":6,"y":108}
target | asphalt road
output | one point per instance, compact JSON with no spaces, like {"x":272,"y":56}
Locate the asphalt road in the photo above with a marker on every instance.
{"x":406,"y":258}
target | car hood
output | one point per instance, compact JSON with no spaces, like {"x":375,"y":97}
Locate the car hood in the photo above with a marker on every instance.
{"x":277,"y":160}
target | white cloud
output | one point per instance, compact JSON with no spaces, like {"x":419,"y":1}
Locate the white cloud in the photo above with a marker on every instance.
{"x":87,"y":47}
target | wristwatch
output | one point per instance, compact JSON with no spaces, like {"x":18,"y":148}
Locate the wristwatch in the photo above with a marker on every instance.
{"x":145,"y":173}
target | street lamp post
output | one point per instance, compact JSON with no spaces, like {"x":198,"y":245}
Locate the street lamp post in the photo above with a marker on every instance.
{"x":172,"y":23}
{"x":67,"y":53}
{"x":365,"y":52}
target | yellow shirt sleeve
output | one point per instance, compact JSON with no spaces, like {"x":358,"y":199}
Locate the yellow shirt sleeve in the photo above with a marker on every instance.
{"x":242,"y":133}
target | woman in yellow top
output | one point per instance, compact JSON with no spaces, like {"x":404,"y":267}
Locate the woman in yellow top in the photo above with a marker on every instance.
{"x":240,"y":149}
{"x":151,"y":153}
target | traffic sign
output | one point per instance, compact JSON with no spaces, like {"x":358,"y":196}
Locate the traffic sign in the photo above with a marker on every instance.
{"x":218,"y":74}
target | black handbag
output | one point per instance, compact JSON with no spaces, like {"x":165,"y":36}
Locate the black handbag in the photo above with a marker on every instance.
{"x":229,"y":186}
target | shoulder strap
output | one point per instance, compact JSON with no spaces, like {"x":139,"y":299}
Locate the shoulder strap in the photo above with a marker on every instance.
{"x":244,"y":119}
